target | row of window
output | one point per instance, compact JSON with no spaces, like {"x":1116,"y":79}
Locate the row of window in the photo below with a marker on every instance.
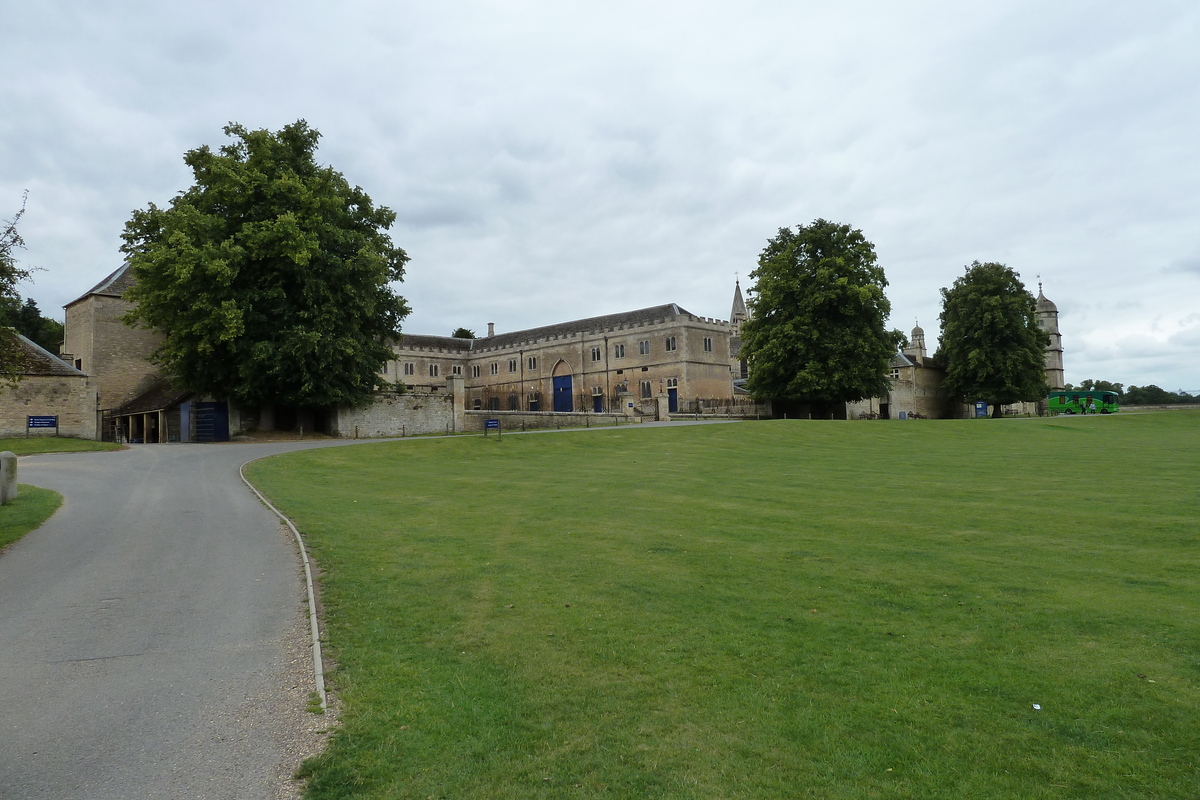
{"x":434,"y":369}
{"x":532,"y":398}
{"x":531,"y":362}
{"x":669,"y":345}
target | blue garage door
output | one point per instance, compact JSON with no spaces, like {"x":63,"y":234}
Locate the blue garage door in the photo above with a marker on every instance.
{"x":212,"y":422}
{"x":562,"y":393}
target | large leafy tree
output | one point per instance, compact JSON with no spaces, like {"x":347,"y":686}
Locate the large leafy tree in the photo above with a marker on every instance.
{"x":991,"y":344}
{"x":269,"y":278}
{"x":817,"y":329}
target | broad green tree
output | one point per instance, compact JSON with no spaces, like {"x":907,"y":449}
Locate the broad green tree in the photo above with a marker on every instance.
{"x":991,"y":344}
{"x":463,"y":333}
{"x":269,"y":278}
{"x":817,"y":331}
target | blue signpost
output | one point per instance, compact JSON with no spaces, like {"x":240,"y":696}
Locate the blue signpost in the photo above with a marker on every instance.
{"x":491,"y":425}
{"x":980,"y":409}
{"x":41,"y":422}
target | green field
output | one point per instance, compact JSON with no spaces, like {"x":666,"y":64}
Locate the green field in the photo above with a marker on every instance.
{"x":24,"y":446}
{"x":762,"y":610}
{"x":32,"y":507}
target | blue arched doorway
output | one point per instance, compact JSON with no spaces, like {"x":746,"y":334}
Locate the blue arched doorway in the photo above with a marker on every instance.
{"x":562,"y":387}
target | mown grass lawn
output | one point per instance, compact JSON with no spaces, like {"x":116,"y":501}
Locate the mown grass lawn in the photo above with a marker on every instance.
{"x":32,"y":507}
{"x":762,"y":610}
{"x":24,"y":446}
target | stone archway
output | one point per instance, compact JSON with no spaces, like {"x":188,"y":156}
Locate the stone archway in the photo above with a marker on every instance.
{"x":563,"y":390}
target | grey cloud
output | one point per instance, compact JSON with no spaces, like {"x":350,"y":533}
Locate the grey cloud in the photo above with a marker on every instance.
{"x":1188,"y":264}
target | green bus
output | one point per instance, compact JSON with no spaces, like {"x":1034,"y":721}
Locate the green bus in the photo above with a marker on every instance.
{"x":1083,"y":402}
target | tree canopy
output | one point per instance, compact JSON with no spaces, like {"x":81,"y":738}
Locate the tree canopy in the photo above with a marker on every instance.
{"x":26,"y":318}
{"x":463,"y":333}
{"x":269,"y":277}
{"x":991,"y":343}
{"x":1154,"y":395}
{"x":817,"y":332}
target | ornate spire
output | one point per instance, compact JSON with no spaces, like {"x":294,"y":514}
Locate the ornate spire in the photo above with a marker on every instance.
{"x":739,"y":312}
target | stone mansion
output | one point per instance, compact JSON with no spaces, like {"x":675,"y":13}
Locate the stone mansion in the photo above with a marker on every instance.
{"x":599,"y":364}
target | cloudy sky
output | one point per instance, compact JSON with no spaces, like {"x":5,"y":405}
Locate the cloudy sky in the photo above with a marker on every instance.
{"x":556,"y":160}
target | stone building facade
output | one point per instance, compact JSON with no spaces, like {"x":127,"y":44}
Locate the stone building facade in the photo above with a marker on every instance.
{"x":915,"y":387}
{"x":598,"y":365}
{"x":48,"y":387}
{"x":98,"y":343}
{"x":916,"y":379}
{"x":656,"y":360}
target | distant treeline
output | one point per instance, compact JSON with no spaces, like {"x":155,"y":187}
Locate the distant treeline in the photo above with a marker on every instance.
{"x":26,"y":318}
{"x":1137,"y":395}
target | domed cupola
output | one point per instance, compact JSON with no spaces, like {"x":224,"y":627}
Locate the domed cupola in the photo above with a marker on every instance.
{"x":1044,"y":304}
{"x":916,"y":342}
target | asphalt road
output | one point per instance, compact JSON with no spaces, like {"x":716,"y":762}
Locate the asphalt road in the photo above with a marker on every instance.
{"x":142,"y":630}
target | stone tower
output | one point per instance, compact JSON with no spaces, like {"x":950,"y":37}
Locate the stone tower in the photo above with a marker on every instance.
{"x":916,"y":343}
{"x":1047,"y":319}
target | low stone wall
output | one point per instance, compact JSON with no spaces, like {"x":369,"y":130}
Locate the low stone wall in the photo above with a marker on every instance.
{"x":70,"y":398}
{"x":394,"y":414}
{"x":537,"y":420}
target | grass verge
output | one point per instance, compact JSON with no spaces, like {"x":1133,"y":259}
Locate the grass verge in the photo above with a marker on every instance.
{"x":53,"y":444}
{"x":762,"y":610}
{"x":32,"y":507}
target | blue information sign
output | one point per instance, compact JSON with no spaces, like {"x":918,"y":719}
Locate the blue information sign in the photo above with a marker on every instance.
{"x":42,"y":422}
{"x":492,"y":424}
{"x":980,"y":409}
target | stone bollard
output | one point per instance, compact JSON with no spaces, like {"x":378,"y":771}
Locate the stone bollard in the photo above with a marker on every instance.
{"x":8,"y":477}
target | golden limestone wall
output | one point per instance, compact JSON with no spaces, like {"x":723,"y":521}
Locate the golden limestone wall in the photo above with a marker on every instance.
{"x":690,"y":354}
{"x":71,"y":398}
{"x":115,"y":354}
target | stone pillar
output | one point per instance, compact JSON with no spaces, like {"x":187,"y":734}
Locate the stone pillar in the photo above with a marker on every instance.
{"x":625,"y":401}
{"x":458,"y":394}
{"x":662,"y":408}
{"x":8,"y":477}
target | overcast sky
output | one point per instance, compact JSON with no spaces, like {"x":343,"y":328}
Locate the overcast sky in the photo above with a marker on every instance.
{"x":557,"y":160}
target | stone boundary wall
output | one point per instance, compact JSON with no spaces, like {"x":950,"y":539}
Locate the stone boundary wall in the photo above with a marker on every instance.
{"x":720,"y":415}
{"x":408,"y":414}
{"x":537,"y":420}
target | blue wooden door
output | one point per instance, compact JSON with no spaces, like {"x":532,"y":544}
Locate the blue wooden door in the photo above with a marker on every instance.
{"x":597,"y":403}
{"x":673,"y":401}
{"x":212,"y":422}
{"x":562,"y":393}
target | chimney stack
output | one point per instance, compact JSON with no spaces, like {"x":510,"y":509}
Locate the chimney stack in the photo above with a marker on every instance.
{"x":491,"y":329}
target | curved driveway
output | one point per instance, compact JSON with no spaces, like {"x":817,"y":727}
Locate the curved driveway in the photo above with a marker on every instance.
{"x":142,"y":629}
